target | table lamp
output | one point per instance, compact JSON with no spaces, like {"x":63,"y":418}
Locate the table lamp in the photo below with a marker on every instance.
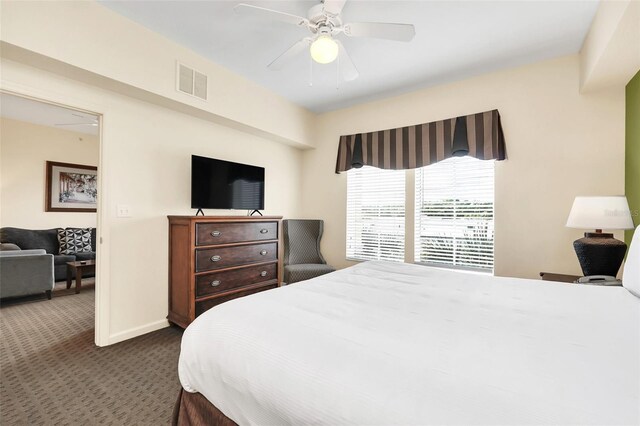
{"x":598,"y":252}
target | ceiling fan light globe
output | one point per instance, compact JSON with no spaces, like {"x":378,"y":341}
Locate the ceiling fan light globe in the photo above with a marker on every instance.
{"x":324,"y":50}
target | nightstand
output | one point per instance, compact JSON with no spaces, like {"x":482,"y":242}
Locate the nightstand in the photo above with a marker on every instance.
{"x":551,"y":276}
{"x":562,"y":278}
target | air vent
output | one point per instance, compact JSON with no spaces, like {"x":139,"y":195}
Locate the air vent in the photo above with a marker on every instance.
{"x":191,"y":82}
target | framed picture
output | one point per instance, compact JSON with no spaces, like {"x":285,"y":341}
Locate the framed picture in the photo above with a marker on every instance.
{"x":71,"y":187}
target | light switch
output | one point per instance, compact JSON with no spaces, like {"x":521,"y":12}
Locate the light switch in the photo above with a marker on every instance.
{"x":123,"y":210}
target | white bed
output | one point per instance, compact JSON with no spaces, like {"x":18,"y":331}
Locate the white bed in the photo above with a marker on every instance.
{"x":386,"y":343}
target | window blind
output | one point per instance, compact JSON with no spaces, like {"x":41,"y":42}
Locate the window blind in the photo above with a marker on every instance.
{"x":454,"y":214}
{"x":375,"y":214}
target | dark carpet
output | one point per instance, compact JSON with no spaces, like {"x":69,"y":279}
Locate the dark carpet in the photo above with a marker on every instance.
{"x":59,"y":290}
{"x":51,"y":373}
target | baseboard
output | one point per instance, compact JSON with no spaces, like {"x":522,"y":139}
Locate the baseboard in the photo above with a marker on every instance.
{"x":137,"y":331}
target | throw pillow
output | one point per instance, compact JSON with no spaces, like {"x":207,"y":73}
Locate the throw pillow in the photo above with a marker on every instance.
{"x":74,"y":240}
{"x":8,"y":247}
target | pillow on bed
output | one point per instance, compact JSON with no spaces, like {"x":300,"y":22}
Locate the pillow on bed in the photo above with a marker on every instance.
{"x":631,"y":274}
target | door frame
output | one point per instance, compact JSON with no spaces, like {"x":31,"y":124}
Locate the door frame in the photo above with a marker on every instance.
{"x":102,"y":282}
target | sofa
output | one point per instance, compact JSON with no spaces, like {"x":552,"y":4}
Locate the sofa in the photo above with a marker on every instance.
{"x":47,"y":239}
{"x":25,"y":272}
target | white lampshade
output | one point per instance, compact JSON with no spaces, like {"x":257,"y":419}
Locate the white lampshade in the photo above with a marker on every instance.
{"x":600,"y":213}
{"x":324,"y":49}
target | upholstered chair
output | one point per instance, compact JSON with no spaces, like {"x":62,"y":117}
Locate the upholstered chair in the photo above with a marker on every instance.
{"x":25,"y":272}
{"x":302,"y":257}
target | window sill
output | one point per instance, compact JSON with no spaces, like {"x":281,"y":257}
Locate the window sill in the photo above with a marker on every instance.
{"x":351,"y":259}
{"x":456,"y":268}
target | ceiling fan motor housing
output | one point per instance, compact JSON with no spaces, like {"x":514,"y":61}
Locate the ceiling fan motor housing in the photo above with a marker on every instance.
{"x":321,"y":22}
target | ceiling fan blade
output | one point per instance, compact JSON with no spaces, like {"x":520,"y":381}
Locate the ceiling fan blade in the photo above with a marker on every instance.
{"x":249,"y":10}
{"x":333,"y":7}
{"x":387,"y":31}
{"x":288,"y":54}
{"x":84,"y":117}
{"x":348,"y":69}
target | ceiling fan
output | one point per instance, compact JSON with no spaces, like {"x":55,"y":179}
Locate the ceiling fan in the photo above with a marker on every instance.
{"x":93,"y":121}
{"x":324,"y":23}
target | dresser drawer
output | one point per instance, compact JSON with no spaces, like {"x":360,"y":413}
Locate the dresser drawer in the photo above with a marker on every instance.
{"x":222,"y":233}
{"x":224,"y":257}
{"x":208,"y":304}
{"x":218,"y":282}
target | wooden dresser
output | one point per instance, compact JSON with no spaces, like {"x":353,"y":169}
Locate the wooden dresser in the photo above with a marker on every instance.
{"x":213,"y":259}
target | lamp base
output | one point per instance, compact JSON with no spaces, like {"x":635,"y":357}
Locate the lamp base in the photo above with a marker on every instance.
{"x":600,"y":253}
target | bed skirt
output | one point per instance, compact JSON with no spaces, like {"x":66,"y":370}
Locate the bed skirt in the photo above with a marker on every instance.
{"x":193,"y":409}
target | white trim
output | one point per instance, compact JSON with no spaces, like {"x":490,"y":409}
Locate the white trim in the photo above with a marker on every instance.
{"x":137,"y":331}
{"x":409,"y":215}
{"x":455,"y":268}
{"x":103,"y":279}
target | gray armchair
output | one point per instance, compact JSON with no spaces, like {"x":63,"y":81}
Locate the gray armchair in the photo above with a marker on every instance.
{"x":25,"y":272}
{"x":302,"y":257}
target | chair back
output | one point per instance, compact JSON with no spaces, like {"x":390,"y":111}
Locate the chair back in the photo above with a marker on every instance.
{"x":302,"y":241}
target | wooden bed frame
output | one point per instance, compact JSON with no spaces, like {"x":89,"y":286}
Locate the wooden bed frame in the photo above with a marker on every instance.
{"x":193,"y":409}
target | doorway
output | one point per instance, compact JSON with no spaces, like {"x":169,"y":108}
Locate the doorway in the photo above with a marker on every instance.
{"x":49,"y":196}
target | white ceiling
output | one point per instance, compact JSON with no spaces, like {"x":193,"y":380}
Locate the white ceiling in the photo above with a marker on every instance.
{"x":454,"y":40}
{"x":31,"y":111}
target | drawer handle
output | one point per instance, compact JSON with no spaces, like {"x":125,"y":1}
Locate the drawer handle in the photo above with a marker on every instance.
{"x":215,"y":233}
{"x":264,"y":231}
{"x":263,"y":273}
{"x":263,"y":252}
{"x":215,"y":283}
{"x":215,"y":258}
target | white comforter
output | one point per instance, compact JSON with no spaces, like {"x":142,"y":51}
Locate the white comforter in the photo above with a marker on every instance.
{"x":385,"y":343}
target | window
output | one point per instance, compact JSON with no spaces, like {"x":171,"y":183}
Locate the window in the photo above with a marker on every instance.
{"x":454,"y":214}
{"x":375,"y":214}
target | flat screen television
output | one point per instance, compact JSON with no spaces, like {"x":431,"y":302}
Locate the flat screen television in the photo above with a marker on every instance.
{"x":219,"y":184}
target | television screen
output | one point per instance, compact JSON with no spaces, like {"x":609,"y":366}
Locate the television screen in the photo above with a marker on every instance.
{"x":219,"y":184}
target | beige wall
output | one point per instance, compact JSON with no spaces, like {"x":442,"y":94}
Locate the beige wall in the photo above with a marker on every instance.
{"x":105,"y":45}
{"x":146,"y":154}
{"x":24,"y":149}
{"x":610,"y":54}
{"x":560,"y":144}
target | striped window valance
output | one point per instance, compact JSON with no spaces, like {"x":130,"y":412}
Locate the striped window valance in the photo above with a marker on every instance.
{"x":477,"y":135}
